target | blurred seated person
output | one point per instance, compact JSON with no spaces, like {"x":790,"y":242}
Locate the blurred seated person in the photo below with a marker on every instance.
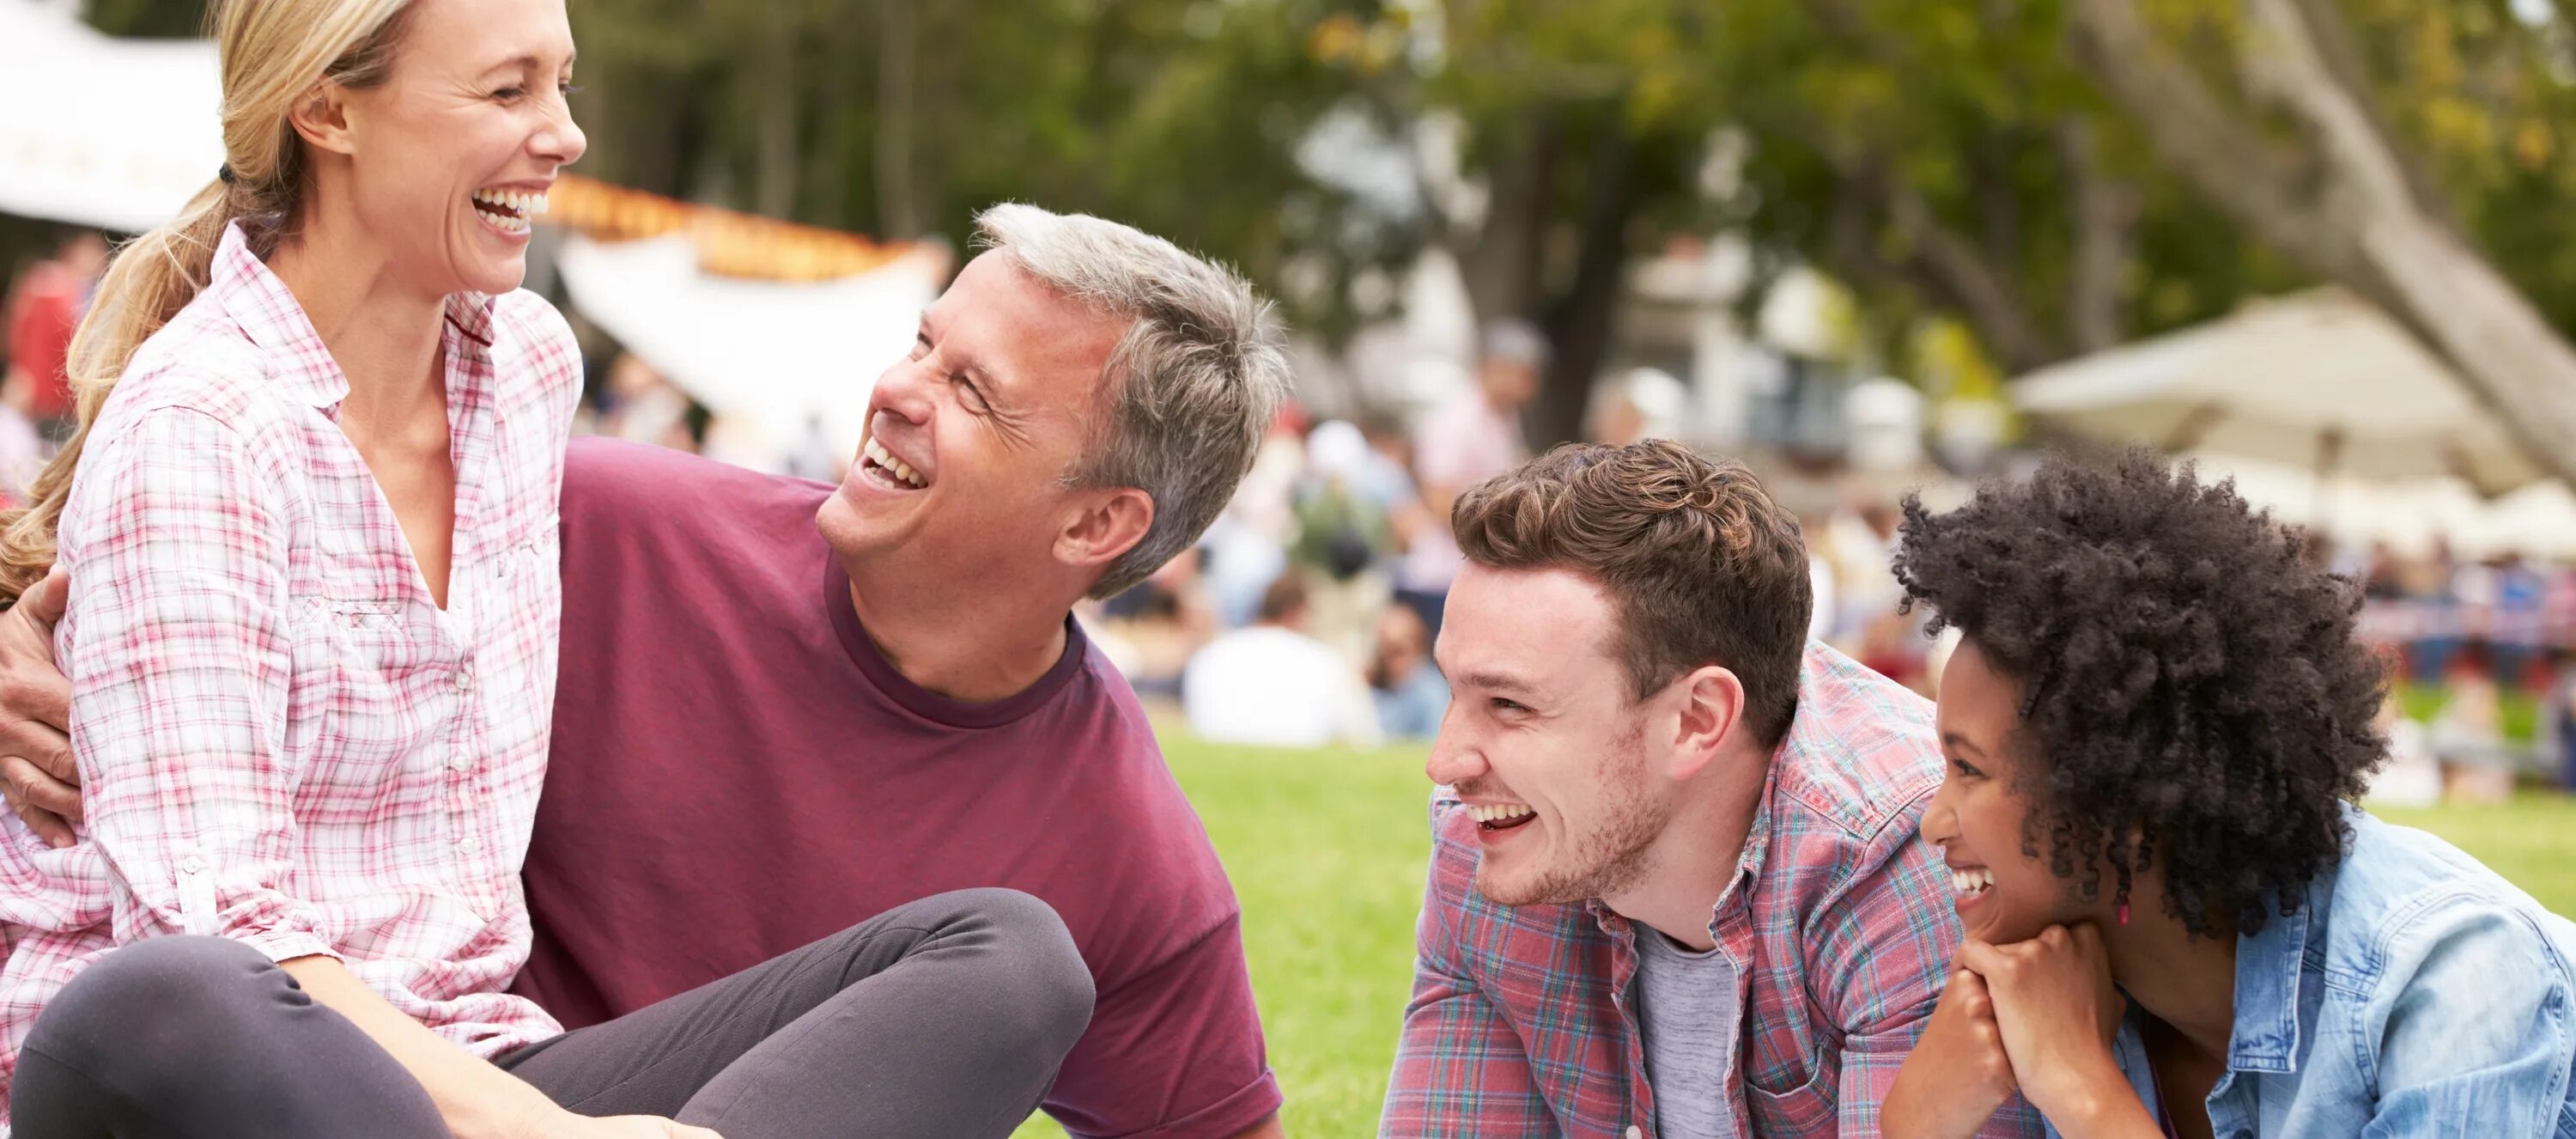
{"x":48,"y":305}
{"x":1343,"y":535}
{"x":1410,"y":693}
{"x":1159,"y":623}
{"x":1269,"y":683}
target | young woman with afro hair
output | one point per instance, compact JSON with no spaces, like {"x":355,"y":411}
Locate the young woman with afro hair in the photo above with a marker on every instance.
{"x":2176,"y":922}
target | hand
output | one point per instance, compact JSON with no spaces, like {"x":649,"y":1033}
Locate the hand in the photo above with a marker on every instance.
{"x":1958,"y":1074}
{"x":36,"y":771}
{"x":2058,"y":1014}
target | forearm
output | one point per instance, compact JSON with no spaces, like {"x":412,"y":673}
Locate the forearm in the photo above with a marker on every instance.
{"x":478,"y":1100}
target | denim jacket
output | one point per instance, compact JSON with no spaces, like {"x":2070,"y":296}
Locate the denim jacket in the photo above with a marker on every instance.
{"x":2415,"y":993}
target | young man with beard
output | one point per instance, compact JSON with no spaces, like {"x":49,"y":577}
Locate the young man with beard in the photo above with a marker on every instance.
{"x":785,"y":707}
{"x":1675,"y":888}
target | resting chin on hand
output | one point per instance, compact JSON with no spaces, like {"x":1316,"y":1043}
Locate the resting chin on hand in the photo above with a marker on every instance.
{"x":2058,"y":1014}
{"x":1958,"y":1074}
{"x":36,"y":772}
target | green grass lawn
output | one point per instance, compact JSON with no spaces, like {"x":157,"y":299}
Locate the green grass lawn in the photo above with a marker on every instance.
{"x":1327,"y":851}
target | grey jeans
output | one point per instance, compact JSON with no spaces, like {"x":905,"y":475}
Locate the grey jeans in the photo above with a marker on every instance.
{"x":945,"y":1017}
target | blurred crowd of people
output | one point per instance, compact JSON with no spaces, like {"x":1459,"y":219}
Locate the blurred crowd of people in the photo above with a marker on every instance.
{"x":1308,"y":614}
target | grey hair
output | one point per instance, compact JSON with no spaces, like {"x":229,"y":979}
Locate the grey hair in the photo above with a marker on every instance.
{"x":1191,"y":387}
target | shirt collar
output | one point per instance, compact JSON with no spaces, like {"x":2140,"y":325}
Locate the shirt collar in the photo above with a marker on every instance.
{"x":267,"y":312}
{"x":2269,"y":969}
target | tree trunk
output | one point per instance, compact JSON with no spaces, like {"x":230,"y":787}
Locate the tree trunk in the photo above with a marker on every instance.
{"x":774,"y":190}
{"x":2104,"y":214}
{"x":1502,"y":262}
{"x":1579,"y":323}
{"x":898,"y":41}
{"x":2351,"y":212}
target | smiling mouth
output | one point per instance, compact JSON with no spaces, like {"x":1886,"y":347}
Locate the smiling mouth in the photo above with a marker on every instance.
{"x":1971,"y":882}
{"x":509,"y":211}
{"x":1500,"y":816}
{"x":881,"y":465}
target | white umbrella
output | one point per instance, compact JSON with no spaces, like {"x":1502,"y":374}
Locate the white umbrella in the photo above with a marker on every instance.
{"x":769,"y":353}
{"x":99,"y":131}
{"x":2319,"y":381}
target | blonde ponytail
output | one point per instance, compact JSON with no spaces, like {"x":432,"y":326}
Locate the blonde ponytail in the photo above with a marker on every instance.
{"x":273,"y":53}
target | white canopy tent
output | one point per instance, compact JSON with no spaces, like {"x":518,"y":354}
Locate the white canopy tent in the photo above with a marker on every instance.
{"x":2320,"y":381}
{"x":100,"y":131}
{"x":770,"y":355}
{"x":2329,"y":414}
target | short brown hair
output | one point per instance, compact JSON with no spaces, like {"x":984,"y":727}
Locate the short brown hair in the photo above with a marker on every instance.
{"x":1702,"y":567}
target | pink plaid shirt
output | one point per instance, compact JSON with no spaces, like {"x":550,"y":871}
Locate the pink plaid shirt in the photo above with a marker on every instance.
{"x":284,"y":741}
{"x":1839,"y":921}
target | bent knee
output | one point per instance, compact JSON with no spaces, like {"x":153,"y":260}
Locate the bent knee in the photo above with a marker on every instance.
{"x":163,"y":1001}
{"x":1044,"y":981}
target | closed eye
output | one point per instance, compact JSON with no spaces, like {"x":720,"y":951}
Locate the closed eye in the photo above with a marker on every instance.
{"x":1501,"y":704}
{"x":1966,"y":769}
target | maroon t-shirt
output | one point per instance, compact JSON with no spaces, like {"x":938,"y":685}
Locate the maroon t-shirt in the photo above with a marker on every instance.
{"x":737,"y":773}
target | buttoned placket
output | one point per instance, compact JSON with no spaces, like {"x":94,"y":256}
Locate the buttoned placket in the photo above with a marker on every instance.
{"x":473,"y":435}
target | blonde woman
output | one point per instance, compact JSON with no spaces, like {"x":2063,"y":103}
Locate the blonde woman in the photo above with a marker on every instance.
{"x":309,"y":527}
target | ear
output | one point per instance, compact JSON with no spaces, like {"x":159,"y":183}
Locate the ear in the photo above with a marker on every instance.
{"x":1109,"y":524}
{"x":321,"y":118}
{"x":1711,"y":703}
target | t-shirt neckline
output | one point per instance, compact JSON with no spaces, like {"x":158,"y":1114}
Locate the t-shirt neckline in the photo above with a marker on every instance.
{"x":923,"y":702}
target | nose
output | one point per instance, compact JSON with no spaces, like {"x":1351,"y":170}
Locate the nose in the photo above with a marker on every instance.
{"x":560,"y":140}
{"x":903,"y":391}
{"x":1940,"y":818}
{"x":1455,"y":758}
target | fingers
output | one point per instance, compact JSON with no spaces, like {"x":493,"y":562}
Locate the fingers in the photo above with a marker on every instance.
{"x":46,"y":602}
{"x":46,"y":824}
{"x":1982,"y":959}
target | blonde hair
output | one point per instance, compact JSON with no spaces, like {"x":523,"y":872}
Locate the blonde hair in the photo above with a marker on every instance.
{"x":273,"y":53}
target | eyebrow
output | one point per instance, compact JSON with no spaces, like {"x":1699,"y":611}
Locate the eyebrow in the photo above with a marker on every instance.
{"x":1960,"y":742}
{"x":1497,"y":682}
{"x":528,"y":61}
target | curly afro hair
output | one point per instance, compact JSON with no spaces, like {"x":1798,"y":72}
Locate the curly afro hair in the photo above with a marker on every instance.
{"x":2189,"y":678}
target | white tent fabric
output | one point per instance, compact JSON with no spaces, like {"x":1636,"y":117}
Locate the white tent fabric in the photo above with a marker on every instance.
{"x":2316,"y":381}
{"x":773,"y":355}
{"x":2409,"y":516}
{"x":99,"y":131}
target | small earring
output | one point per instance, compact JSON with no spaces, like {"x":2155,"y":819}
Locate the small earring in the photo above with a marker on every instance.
{"x":2124,"y":913}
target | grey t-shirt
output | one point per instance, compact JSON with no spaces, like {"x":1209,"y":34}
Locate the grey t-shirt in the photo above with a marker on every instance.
{"x":1687,"y":1013}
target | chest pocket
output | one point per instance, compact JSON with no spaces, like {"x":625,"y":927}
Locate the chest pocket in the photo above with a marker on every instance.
{"x":1805,"y":1109}
{"x":351,"y":711}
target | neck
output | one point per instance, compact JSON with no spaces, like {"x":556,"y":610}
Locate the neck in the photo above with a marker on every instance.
{"x":982,"y":647}
{"x":380,"y":330}
{"x":2185,"y":981}
{"x":1690,"y":865}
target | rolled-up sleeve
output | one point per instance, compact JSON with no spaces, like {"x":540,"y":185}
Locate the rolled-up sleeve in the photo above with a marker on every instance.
{"x":177,"y":646}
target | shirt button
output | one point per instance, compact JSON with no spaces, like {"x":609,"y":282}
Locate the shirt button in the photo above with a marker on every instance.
{"x":190,"y":865}
{"x":468,"y":844}
{"x":465,"y":678}
{"x":1636,"y":1133}
{"x":459,"y":762}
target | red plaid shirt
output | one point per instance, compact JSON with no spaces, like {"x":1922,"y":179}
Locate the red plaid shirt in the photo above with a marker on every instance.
{"x":1839,"y":921}
{"x":284,"y":741}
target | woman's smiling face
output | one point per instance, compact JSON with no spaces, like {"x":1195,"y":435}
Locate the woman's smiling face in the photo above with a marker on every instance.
{"x":1977,"y":819}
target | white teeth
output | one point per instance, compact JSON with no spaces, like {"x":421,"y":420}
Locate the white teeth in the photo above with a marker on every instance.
{"x":1497,"y":812}
{"x":898,"y":468}
{"x":1976,"y":881}
{"x":525,"y":203}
